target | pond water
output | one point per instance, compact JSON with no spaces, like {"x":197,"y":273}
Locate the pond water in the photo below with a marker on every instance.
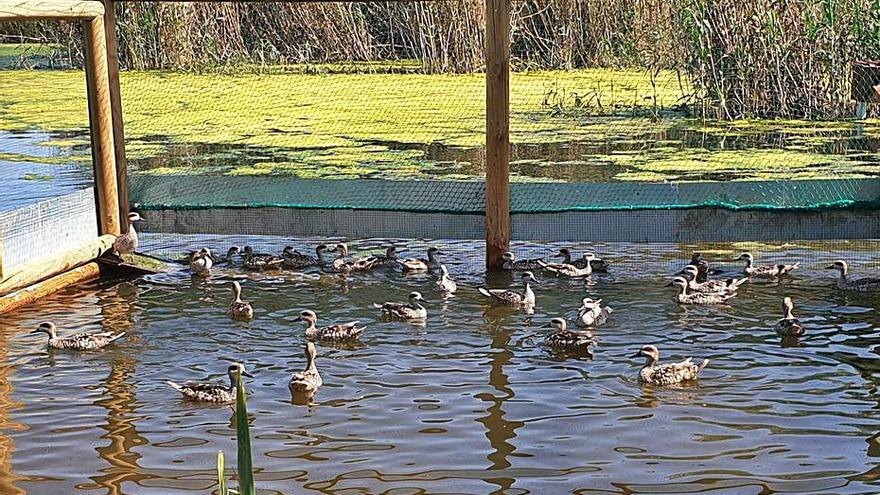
{"x":31,"y":172}
{"x":468,"y":403}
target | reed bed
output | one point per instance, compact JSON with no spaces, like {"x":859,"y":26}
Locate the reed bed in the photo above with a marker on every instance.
{"x":745,"y":58}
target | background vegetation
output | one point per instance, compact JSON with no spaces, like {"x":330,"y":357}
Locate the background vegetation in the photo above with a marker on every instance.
{"x":744,"y":58}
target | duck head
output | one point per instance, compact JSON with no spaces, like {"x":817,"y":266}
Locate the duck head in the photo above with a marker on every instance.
{"x":747,"y":257}
{"x":307,"y":315}
{"x":787,"y":308}
{"x":134,"y":217}
{"x":563,"y":253}
{"x":557,"y":324}
{"x":679,"y":282}
{"x":46,"y":327}
{"x":528,"y":277}
{"x":838,"y":265}
{"x":650,"y":353}
{"x":508,"y":256}
{"x":690,"y":272}
{"x":232,"y":251}
{"x":235,"y":370}
{"x":415,"y":297}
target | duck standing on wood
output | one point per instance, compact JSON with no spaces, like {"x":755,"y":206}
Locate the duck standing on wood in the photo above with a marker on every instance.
{"x":79,"y":341}
{"x":127,"y":242}
{"x":666,"y":374}
{"x":764,"y":271}
{"x":212,"y":392}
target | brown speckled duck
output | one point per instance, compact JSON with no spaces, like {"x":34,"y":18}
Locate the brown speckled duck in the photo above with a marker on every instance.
{"x":260,"y":261}
{"x":237,"y":308}
{"x":213,"y":392}
{"x":127,"y":242}
{"x":865,"y":284}
{"x":411,"y":310}
{"x":592,"y":313}
{"x":332,"y":333}
{"x":510,"y":298}
{"x":666,"y":374}
{"x":686,"y":297}
{"x":691,"y":272}
{"x":79,"y":341}
{"x":764,"y":271}
{"x":564,"y":339}
{"x":308,"y":380}
{"x":788,"y":325}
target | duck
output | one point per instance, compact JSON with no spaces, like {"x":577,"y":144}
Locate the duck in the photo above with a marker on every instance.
{"x":201,"y":262}
{"x":237,"y":308}
{"x":294,"y":259}
{"x":212,"y":392}
{"x":411,"y":310}
{"x":339,"y":265}
{"x":259,"y":262}
{"x":308,"y":380}
{"x":510,"y":298}
{"x":445,"y":282}
{"x":788,"y":325}
{"x":564,"y":339}
{"x":703,"y":268}
{"x":864,"y":284}
{"x":711,"y":286}
{"x":421,"y":264}
{"x":592,"y":313}
{"x":231,"y":253}
{"x":332,"y":333}
{"x":511,"y":263}
{"x":764,"y":271}
{"x":666,"y":374}
{"x":685,"y":297}
{"x":127,"y":242}
{"x":78,"y":341}
{"x":389,"y":259}
{"x":598,"y":265}
{"x":570,"y":270}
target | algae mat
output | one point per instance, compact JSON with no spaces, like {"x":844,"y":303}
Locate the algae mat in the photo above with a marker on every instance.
{"x":591,"y":125}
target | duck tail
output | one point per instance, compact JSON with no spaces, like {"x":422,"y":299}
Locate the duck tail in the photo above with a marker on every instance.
{"x":175,"y":386}
{"x":702,"y":365}
{"x":541,"y":263}
{"x":378,"y":306}
{"x":484,"y":292}
{"x":117,"y":336}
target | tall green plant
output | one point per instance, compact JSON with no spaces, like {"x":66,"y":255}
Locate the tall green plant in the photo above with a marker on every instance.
{"x":245,"y":455}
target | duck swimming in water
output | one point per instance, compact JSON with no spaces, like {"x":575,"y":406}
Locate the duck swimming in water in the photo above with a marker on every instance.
{"x":414,"y":265}
{"x":445,"y":282}
{"x":570,"y":270}
{"x":389,"y":259}
{"x":788,"y":325}
{"x":411,"y":310}
{"x":331,"y":333}
{"x":686,"y":297}
{"x":201,"y":262}
{"x":511,"y":263}
{"x":510,"y":298}
{"x":764,"y":271}
{"x":711,"y":286}
{"x":294,"y":259}
{"x":237,"y":308}
{"x":865,"y":284}
{"x":666,"y":374}
{"x":703,"y":268}
{"x":564,"y":339}
{"x":309,"y":379}
{"x":261,"y":261}
{"x":597,"y":265}
{"x":212,"y":392}
{"x":592,"y":313}
{"x":78,"y":341}
{"x":127,"y":242}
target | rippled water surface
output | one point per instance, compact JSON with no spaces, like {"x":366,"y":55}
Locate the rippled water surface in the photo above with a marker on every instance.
{"x":469,"y":403}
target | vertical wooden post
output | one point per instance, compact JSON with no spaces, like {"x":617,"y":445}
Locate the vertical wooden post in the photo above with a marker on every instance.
{"x":497,"y":131}
{"x":116,"y":108}
{"x":101,"y":122}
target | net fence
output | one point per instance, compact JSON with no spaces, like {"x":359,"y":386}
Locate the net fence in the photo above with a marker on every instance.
{"x":638,"y":121}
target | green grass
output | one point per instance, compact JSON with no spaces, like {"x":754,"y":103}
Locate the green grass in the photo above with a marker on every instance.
{"x":349,"y":120}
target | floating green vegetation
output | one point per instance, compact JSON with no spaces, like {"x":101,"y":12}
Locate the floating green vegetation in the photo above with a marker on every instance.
{"x":386,"y":120}
{"x":37,"y":177}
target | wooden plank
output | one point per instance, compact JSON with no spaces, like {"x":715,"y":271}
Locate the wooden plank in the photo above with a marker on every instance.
{"x":48,"y":10}
{"x":284,"y":1}
{"x":44,"y":268}
{"x":101,"y":124}
{"x":497,"y":131}
{"x":42,"y":289}
{"x":116,"y":110}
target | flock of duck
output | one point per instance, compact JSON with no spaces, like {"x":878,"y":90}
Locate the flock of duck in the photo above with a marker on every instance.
{"x":693,"y":284}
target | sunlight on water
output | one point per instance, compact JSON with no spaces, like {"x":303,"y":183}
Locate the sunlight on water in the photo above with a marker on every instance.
{"x":468,"y":403}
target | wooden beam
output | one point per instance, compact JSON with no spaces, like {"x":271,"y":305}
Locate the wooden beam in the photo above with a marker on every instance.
{"x":497,"y":131}
{"x":49,"y":10}
{"x":41,"y":269}
{"x":42,"y":289}
{"x":101,"y":123}
{"x":116,"y":108}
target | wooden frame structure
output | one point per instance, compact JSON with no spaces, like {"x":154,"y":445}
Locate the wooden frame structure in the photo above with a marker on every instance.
{"x":44,"y":276}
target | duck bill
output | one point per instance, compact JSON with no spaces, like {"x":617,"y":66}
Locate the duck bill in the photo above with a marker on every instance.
{"x":298,"y":318}
{"x":638,"y":354}
{"x":670,"y":284}
{"x":245,"y":373}
{"x":830,"y":267}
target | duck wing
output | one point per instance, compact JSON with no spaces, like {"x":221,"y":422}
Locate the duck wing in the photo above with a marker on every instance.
{"x":345,"y":331}
{"x":504,"y":296}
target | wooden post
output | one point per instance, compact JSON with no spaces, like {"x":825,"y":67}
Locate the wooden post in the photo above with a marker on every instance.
{"x":101,"y":119}
{"x":116,"y":108}
{"x":497,"y":131}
